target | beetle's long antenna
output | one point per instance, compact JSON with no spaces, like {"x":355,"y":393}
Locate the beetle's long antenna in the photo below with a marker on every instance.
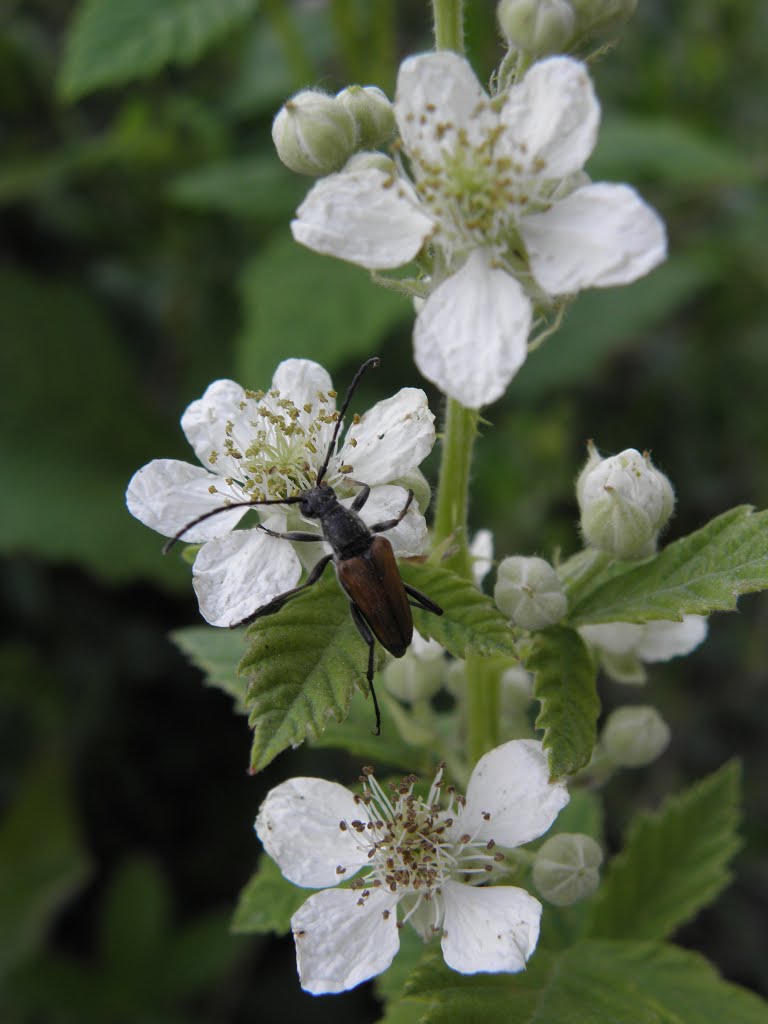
{"x":225,"y":508}
{"x":373,"y":361}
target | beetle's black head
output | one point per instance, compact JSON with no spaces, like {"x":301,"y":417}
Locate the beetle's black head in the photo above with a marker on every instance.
{"x":317,"y":502}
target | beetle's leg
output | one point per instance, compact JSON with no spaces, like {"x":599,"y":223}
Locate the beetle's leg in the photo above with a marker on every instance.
{"x":361,"y":497}
{"x":387,"y":524}
{"x":366,"y":634}
{"x":292,"y":534}
{"x":421,"y":600}
{"x":277,"y":602}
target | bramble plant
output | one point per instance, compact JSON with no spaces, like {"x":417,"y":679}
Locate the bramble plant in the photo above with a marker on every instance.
{"x":474,"y":205}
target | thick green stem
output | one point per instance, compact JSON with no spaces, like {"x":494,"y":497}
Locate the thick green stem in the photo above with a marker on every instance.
{"x":451,"y":526}
{"x":483,"y":703}
{"x":449,"y":24}
{"x":453,"y":489}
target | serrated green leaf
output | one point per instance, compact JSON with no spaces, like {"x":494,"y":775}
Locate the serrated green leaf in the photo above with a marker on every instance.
{"x":342,"y":312}
{"x":267,"y":902}
{"x":592,"y":982}
{"x":674,"y":862}
{"x":111,"y":42}
{"x":301,"y":666}
{"x":565,"y":683}
{"x":698,"y":574}
{"x":256,"y":186}
{"x":470,"y":624}
{"x":217,"y":653}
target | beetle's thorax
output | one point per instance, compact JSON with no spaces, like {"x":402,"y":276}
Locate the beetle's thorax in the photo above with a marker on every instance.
{"x":342,"y":528}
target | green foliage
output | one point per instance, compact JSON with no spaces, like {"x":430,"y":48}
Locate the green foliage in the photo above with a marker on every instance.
{"x":341,"y":313}
{"x":257,"y":187}
{"x":64,"y":445}
{"x":470,"y":624}
{"x":42,"y":861}
{"x":668,"y":150}
{"x":674,"y":861}
{"x":111,"y":42}
{"x":600,"y":982}
{"x":605,"y":320}
{"x":268,"y":902}
{"x":217,"y":653}
{"x":302,"y":665}
{"x":145,"y":968}
{"x":698,"y":574}
{"x":565,"y":684}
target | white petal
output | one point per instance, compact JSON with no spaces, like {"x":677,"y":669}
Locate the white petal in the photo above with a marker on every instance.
{"x":236,"y":574}
{"x":391,"y":439}
{"x":438,"y":96}
{"x":205,"y":422}
{"x":481,"y":553}
{"x":300,"y":380}
{"x":511,"y":784}
{"x":365,"y":217}
{"x":599,"y":235}
{"x":614,"y":637}
{"x":662,"y":640}
{"x":167,"y":494}
{"x":409,"y":537}
{"x":339,"y":943}
{"x":489,"y":929}
{"x":471,"y":337}
{"x":298,"y":823}
{"x":551,"y":117}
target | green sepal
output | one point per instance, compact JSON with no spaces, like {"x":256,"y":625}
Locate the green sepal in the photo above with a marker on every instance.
{"x":565,"y":684}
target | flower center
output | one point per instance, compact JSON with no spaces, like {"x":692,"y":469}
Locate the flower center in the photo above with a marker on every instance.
{"x":274,"y":448}
{"x":411,"y":843}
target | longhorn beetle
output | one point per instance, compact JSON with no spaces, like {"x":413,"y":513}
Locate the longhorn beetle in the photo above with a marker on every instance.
{"x":379,"y":599}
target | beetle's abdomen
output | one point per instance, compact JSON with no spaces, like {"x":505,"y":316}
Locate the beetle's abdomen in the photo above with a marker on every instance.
{"x":372,"y":581}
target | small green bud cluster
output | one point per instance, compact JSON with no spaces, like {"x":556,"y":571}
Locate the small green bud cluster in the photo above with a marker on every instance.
{"x":529,"y":592}
{"x":538,"y":28}
{"x":625,"y":501}
{"x":567,"y":868}
{"x":316,"y":134}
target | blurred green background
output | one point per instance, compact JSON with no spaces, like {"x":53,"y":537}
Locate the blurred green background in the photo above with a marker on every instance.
{"x":144,"y":251}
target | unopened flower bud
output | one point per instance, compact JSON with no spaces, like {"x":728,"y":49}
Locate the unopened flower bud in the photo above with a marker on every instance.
{"x":624,"y":646}
{"x":419,"y":674}
{"x":601,"y":17}
{"x":314,"y":134}
{"x":635,"y":736}
{"x":567,"y":868}
{"x":368,"y":160}
{"x":373,"y":114}
{"x":529,"y":592}
{"x":537,"y":27}
{"x":624,"y":502}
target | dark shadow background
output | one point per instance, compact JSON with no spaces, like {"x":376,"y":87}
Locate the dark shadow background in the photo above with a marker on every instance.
{"x":144,"y":251}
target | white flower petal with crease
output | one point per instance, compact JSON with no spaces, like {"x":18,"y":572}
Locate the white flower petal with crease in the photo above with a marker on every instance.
{"x":489,"y":930}
{"x":242,"y":571}
{"x":471,"y":337}
{"x":340,"y":943}
{"x":599,"y":235}
{"x":167,"y":494}
{"x":364,"y":217}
